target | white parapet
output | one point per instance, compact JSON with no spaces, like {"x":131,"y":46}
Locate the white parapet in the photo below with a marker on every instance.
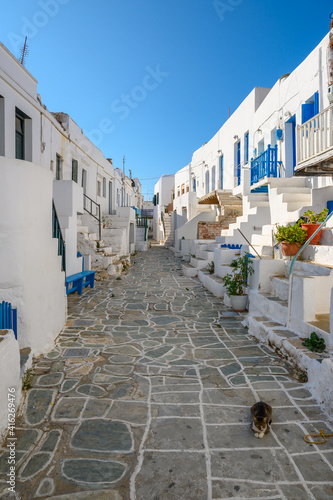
{"x":10,"y":382}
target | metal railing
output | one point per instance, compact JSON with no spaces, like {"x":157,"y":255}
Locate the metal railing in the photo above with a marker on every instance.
{"x":143,"y":222}
{"x":8,"y":317}
{"x":56,"y":233}
{"x":265,"y":165}
{"x":94,"y":209}
{"x":315,"y":136}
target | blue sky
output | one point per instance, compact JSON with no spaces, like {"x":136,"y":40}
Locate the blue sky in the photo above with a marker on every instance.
{"x":153,"y":79}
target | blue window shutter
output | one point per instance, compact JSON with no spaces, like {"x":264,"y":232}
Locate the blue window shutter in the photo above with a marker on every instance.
{"x":316,"y":104}
{"x":307,"y":111}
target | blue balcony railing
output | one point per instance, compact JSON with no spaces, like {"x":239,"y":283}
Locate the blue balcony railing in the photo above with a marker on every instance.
{"x":265,"y":165}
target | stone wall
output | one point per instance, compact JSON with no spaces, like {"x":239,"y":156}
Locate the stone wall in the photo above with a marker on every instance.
{"x":208,"y":230}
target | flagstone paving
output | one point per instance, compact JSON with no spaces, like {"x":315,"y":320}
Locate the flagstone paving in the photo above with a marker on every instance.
{"x":147,"y":394}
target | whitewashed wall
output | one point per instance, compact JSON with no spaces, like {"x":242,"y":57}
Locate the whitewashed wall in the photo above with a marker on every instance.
{"x":30,"y":268}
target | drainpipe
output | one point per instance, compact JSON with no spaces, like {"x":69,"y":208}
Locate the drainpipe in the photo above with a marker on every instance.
{"x":293,"y":263}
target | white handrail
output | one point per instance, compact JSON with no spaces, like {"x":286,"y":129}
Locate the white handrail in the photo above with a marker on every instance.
{"x":315,"y":136}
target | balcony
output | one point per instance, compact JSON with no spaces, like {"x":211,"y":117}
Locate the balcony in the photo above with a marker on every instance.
{"x":265,"y":165}
{"x":315,"y":145}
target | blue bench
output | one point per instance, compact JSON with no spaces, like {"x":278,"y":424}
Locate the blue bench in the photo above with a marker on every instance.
{"x":79,"y":280}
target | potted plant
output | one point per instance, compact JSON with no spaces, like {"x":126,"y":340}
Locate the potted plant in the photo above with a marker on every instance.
{"x":311,"y":221}
{"x":236,"y":283}
{"x":291,"y":237}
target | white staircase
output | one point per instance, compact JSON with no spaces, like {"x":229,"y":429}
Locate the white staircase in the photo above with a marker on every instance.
{"x":282,"y":318}
{"x":103,"y":256}
{"x":169,"y":240}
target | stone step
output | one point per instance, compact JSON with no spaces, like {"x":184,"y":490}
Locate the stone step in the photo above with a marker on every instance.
{"x":308,"y":269}
{"x":287,"y":342}
{"x":262,"y":250}
{"x":212,"y":282}
{"x":189,"y":270}
{"x":224,"y":256}
{"x":262,"y":239}
{"x":105,"y":250}
{"x":199,"y":263}
{"x":293,"y":197}
{"x":254,"y":204}
{"x":92,"y":237}
{"x":256,"y":196}
{"x":280,"y":287}
{"x":319,"y":254}
{"x":82,"y":229}
{"x":322,"y":322}
{"x":286,"y":182}
{"x":294,"y":190}
{"x":206,"y":255}
{"x":266,"y":304}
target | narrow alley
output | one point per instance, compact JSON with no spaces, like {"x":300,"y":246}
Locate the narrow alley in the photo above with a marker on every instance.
{"x":147,"y":396}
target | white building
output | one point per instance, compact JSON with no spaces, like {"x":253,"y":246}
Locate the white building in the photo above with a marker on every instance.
{"x":275,"y":153}
{"x":51,"y":173}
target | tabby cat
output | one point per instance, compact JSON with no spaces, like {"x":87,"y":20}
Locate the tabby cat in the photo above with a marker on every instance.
{"x":262,"y":418}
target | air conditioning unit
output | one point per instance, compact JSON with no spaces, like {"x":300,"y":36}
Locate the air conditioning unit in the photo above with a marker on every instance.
{"x":330,"y":93}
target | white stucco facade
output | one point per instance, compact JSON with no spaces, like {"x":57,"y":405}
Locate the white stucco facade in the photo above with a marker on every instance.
{"x":266,"y":117}
{"x":30,"y":268}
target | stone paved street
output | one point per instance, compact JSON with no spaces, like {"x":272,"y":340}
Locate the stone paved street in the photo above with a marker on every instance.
{"x":147,"y":396}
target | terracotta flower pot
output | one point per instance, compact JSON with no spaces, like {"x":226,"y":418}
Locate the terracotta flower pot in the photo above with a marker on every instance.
{"x":311,"y":228}
{"x":290,"y":249}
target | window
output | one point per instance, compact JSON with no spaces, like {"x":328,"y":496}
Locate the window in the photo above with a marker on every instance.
{"x":84,"y":181}
{"x":19,"y":136}
{"x":194,"y":184}
{"x":23,"y":136}
{"x":183,"y":189}
{"x":178,"y":191}
{"x":58,"y":172}
{"x":99,"y":188}
{"x":75,"y":170}
{"x":157,"y":198}
{"x":104,"y":187}
{"x":246,"y":147}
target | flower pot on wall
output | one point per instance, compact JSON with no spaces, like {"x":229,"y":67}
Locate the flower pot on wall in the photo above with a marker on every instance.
{"x":290,"y":249}
{"x":238,"y":302}
{"x":311,"y":228}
